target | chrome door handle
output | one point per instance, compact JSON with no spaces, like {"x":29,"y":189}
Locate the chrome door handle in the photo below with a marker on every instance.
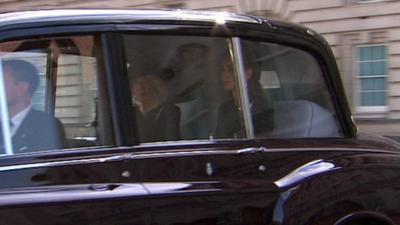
{"x":252,"y":150}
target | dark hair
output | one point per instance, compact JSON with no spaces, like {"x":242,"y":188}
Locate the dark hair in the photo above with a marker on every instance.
{"x":23,"y":71}
{"x":250,"y":57}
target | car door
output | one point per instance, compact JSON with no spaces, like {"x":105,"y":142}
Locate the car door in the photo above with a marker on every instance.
{"x":60,"y":161}
{"x":230,"y":104}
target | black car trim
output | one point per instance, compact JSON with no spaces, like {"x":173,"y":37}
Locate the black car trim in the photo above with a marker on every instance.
{"x":115,"y":69}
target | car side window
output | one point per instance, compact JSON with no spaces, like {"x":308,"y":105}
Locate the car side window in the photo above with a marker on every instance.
{"x":187,"y":88}
{"x":53,"y":94}
{"x":177,"y":87}
{"x":287,"y":93}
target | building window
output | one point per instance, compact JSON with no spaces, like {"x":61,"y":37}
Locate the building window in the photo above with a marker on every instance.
{"x":372,"y":73}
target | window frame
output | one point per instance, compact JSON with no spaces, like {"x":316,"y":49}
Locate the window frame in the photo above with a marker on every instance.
{"x":323,"y":56}
{"x":369,"y":111}
{"x":5,"y":127}
{"x":239,"y":72}
{"x":312,"y":44}
{"x":102,"y":78}
{"x":321,"y":53}
{"x":235,"y":45}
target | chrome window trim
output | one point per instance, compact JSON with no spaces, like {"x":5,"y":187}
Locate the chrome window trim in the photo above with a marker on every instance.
{"x":178,"y":153}
{"x":7,"y":144}
{"x":110,"y":15}
{"x":242,"y":87}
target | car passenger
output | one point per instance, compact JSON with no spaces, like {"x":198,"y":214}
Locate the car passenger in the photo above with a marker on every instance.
{"x":157,"y":119}
{"x":189,"y":66}
{"x":229,"y":123}
{"x":190,"y":88}
{"x":31,"y":129}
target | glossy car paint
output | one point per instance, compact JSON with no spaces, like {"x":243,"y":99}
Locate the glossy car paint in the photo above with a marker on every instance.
{"x":269,"y":181}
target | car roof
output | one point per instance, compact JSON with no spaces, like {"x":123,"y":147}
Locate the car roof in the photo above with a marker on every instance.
{"x":122,"y":15}
{"x":59,"y":17}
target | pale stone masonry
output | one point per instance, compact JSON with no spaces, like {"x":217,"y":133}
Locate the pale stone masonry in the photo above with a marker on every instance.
{"x":346,"y":24}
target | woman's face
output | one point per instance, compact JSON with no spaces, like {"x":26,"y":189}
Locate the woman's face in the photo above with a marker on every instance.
{"x":143,"y":90}
{"x":228,"y":78}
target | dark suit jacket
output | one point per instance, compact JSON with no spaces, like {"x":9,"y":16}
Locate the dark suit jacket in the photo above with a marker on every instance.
{"x":38,"y":131}
{"x":229,"y":123}
{"x":160,"y":124}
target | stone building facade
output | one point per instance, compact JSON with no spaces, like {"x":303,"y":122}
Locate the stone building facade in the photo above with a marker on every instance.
{"x":364,"y":35}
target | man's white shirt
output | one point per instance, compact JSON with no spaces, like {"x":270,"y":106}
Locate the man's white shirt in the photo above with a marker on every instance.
{"x":18,"y":119}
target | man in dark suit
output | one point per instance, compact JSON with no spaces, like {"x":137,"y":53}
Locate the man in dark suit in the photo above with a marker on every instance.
{"x":31,"y":130}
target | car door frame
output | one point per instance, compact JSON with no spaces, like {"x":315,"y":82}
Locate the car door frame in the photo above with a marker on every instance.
{"x":84,"y":156}
{"x":202,"y":154}
{"x":125,"y":132}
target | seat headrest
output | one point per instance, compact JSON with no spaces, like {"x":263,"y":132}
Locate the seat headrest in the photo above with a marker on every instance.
{"x":302,"y":118}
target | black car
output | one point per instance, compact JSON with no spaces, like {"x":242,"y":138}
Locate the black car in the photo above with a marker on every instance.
{"x":174,"y":117}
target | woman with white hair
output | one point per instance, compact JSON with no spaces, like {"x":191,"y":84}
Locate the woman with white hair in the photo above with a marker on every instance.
{"x":157,"y":119}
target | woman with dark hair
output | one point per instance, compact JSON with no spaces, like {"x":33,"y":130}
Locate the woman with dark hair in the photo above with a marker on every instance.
{"x":229,"y":123}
